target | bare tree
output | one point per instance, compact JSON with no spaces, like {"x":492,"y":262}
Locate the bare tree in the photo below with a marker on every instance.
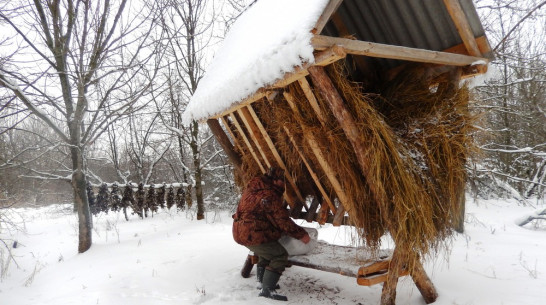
{"x":514,"y":99}
{"x":82,"y":68}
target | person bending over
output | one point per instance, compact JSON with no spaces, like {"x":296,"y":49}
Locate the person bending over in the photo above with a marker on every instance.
{"x":260,"y":220}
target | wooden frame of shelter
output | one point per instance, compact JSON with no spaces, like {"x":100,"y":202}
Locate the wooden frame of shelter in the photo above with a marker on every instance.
{"x":243,"y":127}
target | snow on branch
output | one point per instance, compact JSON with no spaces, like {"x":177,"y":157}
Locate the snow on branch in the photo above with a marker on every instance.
{"x":539,"y":214}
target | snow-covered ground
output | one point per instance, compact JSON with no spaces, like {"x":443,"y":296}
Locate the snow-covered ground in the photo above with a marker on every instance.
{"x":172,"y":259}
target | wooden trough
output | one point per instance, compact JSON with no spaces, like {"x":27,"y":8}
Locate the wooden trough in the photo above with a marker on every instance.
{"x":380,"y":41}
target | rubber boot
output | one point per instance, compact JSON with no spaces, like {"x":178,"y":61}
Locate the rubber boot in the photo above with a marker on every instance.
{"x":260,"y":277}
{"x":270,"y":280}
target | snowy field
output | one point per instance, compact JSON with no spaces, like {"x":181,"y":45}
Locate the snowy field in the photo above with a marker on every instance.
{"x":172,"y":259}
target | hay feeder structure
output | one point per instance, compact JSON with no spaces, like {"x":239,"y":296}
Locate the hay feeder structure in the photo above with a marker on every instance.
{"x":360,"y":102}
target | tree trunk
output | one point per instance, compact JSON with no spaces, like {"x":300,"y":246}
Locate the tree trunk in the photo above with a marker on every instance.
{"x":197,"y":171}
{"x":80,"y":199}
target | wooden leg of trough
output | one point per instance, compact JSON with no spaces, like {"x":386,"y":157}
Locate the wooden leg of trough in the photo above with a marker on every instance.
{"x":423,"y":283}
{"x":247,"y":267}
{"x":388,"y":295}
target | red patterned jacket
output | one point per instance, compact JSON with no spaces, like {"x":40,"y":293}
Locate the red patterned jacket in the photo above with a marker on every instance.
{"x":262,"y":216}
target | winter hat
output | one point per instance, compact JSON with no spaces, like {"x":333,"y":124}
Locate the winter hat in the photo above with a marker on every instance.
{"x":275,"y":173}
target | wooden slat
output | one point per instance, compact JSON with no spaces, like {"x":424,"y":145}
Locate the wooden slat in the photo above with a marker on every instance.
{"x":253,"y":131}
{"x":310,"y":169}
{"x":372,"y":49}
{"x":328,"y":170}
{"x":229,"y":128}
{"x":330,"y":9}
{"x":463,"y":27}
{"x":324,"y":58}
{"x":375,"y":267}
{"x":306,"y":88}
{"x":377,"y":278}
{"x":275,"y":152}
{"x":247,"y":142}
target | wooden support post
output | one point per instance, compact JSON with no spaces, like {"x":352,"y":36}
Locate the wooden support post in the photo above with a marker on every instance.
{"x":423,"y":283}
{"x":388,"y":294}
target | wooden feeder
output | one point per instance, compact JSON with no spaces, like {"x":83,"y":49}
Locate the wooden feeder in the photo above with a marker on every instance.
{"x":380,"y":41}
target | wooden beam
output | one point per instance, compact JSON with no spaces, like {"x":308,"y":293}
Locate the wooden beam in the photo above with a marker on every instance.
{"x":463,"y":27}
{"x":481,"y":42}
{"x":228,"y":148}
{"x":275,"y":152}
{"x":330,"y":9}
{"x":324,"y":58}
{"x":372,"y":49}
{"x":247,"y":142}
{"x":328,"y":91}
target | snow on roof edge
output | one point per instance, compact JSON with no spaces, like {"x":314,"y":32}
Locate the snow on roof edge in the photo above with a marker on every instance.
{"x":258,"y":50}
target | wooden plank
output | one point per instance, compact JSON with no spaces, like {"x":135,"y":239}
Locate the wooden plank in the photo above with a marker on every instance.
{"x":324,"y":58}
{"x":463,"y":27}
{"x":374,"y":267}
{"x":330,"y":9}
{"x":274,"y":151}
{"x":247,"y":142}
{"x":310,"y":169}
{"x":372,"y":49}
{"x":377,"y":278}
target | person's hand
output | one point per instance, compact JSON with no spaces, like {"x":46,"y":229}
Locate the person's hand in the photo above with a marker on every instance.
{"x":306,"y":239}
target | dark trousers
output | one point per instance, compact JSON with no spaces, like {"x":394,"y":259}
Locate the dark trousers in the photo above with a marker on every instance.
{"x":273,"y":256}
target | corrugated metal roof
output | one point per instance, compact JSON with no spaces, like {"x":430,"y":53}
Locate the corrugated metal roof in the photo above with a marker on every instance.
{"x":422,"y":24}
